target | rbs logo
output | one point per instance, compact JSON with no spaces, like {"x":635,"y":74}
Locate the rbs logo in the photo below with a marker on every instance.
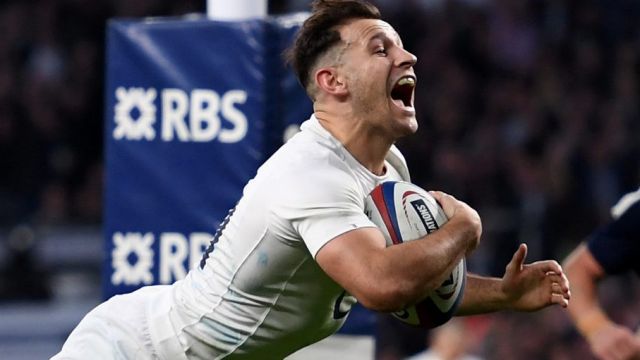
{"x":194,"y":117}
{"x":133,"y":257}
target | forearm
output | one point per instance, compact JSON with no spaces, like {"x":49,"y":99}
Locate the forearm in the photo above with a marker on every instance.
{"x":482,"y":295}
{"x":390,"y":278}
{"x":523,"y":287}
{"x":403,"y":274}
{"x":607,"y":339}
{"x":585,"y":310}
{"x":421,"y":266}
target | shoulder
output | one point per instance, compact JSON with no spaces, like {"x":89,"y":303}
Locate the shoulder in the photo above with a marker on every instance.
{"x":317,"y":179}
{"x":314,"y":159}
{"x":615,"y":246}
{"x":307,"y":171}
{"x":624,"y":224}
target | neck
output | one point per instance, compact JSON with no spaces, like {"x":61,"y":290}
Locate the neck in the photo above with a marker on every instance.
{"x":368,"y":145}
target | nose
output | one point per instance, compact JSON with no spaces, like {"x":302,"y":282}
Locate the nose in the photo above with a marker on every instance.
{"x":406,"y":59}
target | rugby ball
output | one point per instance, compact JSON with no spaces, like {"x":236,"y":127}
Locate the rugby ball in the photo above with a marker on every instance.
{"x":404,"y":212}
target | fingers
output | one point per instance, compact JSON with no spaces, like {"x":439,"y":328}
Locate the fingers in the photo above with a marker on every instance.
{"x":439,"y":195}
{"x":552,"y":269}
{"x":627,"y":348}
{"x":560,"y":280}
{"x":547,"y":266}
{"x":560,"y":293}
{"x":461,"y":213}
{"x":446,"y":201}
{"x":615,"y":342}
{"x":550,"y":266}
{"x":559,"y":296}
{"x":518,"y":257}
{"x":559,"y":299}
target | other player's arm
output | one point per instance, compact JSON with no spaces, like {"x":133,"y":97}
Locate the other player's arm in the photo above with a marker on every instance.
{"x":524,"y":287}
{"x":390,"y":278}
{"x":607,"y":339}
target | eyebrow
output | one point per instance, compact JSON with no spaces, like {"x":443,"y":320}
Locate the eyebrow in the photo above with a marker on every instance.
{"x":382,"y":35}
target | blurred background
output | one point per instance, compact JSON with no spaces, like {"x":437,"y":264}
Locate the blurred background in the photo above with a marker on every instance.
{"x":528,"y":111}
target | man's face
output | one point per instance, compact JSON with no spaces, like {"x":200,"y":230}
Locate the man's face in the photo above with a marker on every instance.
{"x":379,"y":76}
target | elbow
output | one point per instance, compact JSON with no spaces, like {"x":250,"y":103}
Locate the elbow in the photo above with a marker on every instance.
{"x":383,"y":301}
{"x":391,"y":297}
{"x":575,"y":262}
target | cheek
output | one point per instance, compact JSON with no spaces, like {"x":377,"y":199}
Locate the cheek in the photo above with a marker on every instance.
{"x":369,"y":74}
{"x":374,"y":86}
{"x":369,"y":84}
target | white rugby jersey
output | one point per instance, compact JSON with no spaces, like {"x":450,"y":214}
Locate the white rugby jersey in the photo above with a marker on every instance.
{"x":260,"y":293}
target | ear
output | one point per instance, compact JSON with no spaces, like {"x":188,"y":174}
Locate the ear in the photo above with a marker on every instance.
{"x":330,"y":81}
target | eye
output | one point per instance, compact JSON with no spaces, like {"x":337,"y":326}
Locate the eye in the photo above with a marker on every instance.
{"x":381,"y":51}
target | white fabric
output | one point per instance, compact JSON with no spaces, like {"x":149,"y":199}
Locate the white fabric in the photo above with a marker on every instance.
{"x":261,"y":294}
{"x":625,"y":203}
{"x":430,"y":355}
{"x":338,"y":347}
{"x":117,"y":329}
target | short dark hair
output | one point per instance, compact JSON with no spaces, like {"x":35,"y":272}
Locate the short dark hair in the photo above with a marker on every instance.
{"x":318,"y":33}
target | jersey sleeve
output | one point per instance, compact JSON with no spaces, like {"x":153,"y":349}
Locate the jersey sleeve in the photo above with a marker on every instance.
{"x":616,"y":246}
{"x":321,"y":206}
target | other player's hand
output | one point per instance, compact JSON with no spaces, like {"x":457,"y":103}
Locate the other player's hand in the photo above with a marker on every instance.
{"x":461,"y":216}
{"x":530,"y":287}
{"x":615,"y":342}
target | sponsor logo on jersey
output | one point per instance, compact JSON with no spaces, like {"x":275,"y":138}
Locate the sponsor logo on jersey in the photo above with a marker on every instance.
{"x":201,"y":115}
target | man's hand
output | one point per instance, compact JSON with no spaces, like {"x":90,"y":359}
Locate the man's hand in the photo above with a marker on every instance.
{"x":464,"y":216}
{"x":615,"y":342}
{"x":530,"y":287}
{"x":607,"y":339}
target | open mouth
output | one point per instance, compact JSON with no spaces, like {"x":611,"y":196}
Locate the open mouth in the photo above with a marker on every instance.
{"x":403,"y":90}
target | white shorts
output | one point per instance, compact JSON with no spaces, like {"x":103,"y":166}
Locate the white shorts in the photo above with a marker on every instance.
{"x":115,"y":329}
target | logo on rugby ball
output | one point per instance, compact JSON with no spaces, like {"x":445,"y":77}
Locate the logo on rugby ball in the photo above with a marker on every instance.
{"x":421,"y":208}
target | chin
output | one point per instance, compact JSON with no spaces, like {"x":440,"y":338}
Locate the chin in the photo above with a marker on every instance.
{"x":413,"y":125}
{"x":407,"y":126}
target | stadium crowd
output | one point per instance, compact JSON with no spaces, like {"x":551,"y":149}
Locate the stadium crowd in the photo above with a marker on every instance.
{"x":528,"y":111}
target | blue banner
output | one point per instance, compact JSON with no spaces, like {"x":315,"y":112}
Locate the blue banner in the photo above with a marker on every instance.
{"x":193,"y":108}
{"x":185,"y":130}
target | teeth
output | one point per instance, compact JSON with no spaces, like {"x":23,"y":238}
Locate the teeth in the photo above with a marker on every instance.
{"x":406,"y":81}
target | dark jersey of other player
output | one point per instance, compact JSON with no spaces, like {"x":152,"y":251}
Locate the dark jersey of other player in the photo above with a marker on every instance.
{"x":616,"y":246}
